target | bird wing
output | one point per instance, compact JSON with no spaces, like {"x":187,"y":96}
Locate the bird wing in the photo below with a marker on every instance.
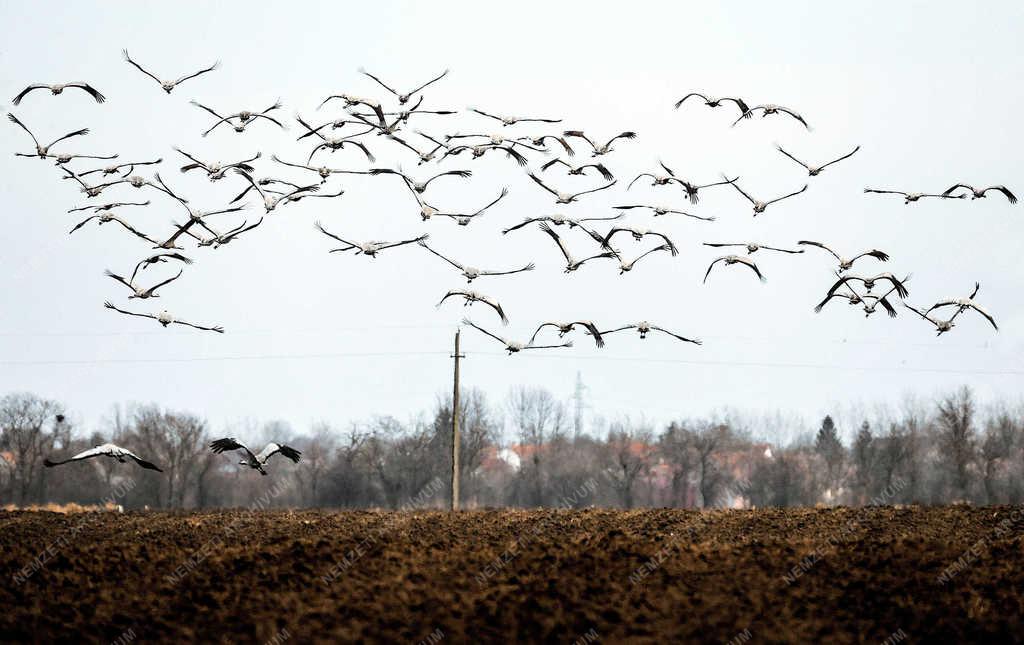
{"x":320,"y":227}
{"x":592,"y":328}
{"x":93,"y":92}
{"x":820,"y":246}
{"x":494,"y":304}
{"x":750,"y":263}
{"x":723,"y":244}
{"x":565,"y":344}
{"x":124,"y":52}
{"x":85,"y":454}
{"x":1004,"y":190}
{"x":481,"y":112}
{"x":76,"y":133}
{"x":949,"y":190}
{"x":541,"y":184}
{"x":14,"y":119}
{"x":885,"y":192}
{"x":846,"y":156}
{"x":273,"y":448}
{"x":742,"y":192}
{"x":594,"y":190}
{"x":579,"y":135}
{"x":680,"y":101}
{"x":202,"y":71}
{"x":975,"y":306}
{"x":901,"y":290}
{"x":82,"y":223}
{"x":779,"y":148}
{"x":430,"y":82}
{"x":542,"y":326}
{"x":695,"y":341}
{"x":920,"y":313}
{"x":504,"y":192}
{"x":160,"y":284}
{"x":558,"y":240}
{"x":228,"y":444}
{"x":449,"y":261}
{"x":553,"y":162}
{"x":668,"y":243}
{"x":390,"y":245}
{"x":37,"y":86}
{"x":744,"y":110}
{"x":643,"y":174}
{"x":779,"y":199}
{"x":198,"y":164}
{"x":875,"y":253}
{"x":775,"y":248}
{"x":111,"y":274}
{"x":218,"y":328}
{"x":526,"y":221}
{"x":794,"y":115}
{"x":109,"y":305}
{"x":467,"y":321}
{"x":529,"y":267}
{"x":140,"y":461}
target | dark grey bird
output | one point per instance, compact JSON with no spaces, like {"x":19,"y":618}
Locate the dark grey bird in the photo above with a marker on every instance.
{"x":255,"y":461}
{"x":169,"y":85}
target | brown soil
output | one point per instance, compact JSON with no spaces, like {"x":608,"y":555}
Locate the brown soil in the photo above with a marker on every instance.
{"x":514,"y":576}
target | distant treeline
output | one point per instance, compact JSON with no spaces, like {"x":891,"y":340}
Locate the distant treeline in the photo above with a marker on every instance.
{"x":945,"y":452}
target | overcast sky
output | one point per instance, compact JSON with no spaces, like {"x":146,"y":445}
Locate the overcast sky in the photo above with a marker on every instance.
{"x":929,"y":90}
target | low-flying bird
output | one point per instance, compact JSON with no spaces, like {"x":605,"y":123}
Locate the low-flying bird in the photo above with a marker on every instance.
{"x":169,"y":85}
{"x":158,"y":258}
{"x":558,"y":220}
{"x":244,"y":117}
{"x":512,"y":120}
{"x":116,"y":168}
{"x":472,"y":273}
{"x":941,"y":326}
{"x":714,"y":102}
{"x":474,"y":296}
{"x":814,"y":171}
{"x":625,"y":267}
{"x":599,"y":150}
{"x":404,"y":98}
{"x":58,"y":89}
{"x":571,"y":264}
{"x":912,"y":197}
{"x":139,"y":292}
{"x":541,"y":142}
{"x":579,"y":170}
{"x":846,"y":264}
{"x":421,"y":186}
{"x":215,"y":170}
{"x":105,"y":450}
{"x":369,"y":249}
{"x":512,"y":346}
{"x":255,"y":461}
{"x":220,"y":240}
{"x":271,"y":200}
{"x":41,"y":150}
{"x":759,"y":206}
{"x":644,"y":328}
{"x":462,"y":219}
{"x":164,"y":318}
{"x":567,"y":327}
{"x":638,"y":235}
{"x":869,"y":283}
{"x":772,"y":109}
{"x":479,"y":151}
{"x":751,"y":247}
{"x":979,"y":193}
{"x":567,"y":198}
{"x":735,"y":259}
{"x":963,"y":304}
{"x":664,"y":210}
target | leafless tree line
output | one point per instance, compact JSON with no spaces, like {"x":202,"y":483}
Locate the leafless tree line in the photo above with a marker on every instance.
{"x":528,"y":452}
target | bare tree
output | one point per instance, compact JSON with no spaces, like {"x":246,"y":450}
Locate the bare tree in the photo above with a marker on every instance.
{"x":177,"y":441}
{"x":30,"y":429}
{"x":676,"y":448}
{"x":628,"y":458}
{"x":957,"y":439}
{"x":540,"y":421}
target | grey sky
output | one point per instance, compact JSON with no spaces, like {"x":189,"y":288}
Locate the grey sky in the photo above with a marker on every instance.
{"x":929,"y":90}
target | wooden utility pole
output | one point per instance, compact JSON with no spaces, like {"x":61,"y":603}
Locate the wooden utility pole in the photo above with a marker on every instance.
{"x":455,"y":428}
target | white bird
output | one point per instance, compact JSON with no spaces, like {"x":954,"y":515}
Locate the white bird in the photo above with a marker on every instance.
{"x":911,"y":197}
{"x":474,"y":296}
{"x":513,"y":346}
{"x":421,"y":186}
{"x":215,"y":170}
{"x":599,"y":150}
{"x":814,"y":171}
{"x":512,"y":120}
{"x":580,"y":170}
{"x":404,"y":98}
{"x":272,"y":200}
{"x":751,"y":247}
{"x":479,"y":151}
{"x":772,"y":109}
{"x":645,"y":328}
{"x":941,"y":326}
{"x":58,"y":89}
{"x":571,"y":263}
{"x":139,"y":292}
{"x":567,"y":198}
{"x":714,"y":102}
{"x":255,"y":461}
{"x":472,"y":273}
{"x":41,"y":150}
{"x":963,"y":304}
{"x":567,"y":327}
{"x":868,"y":300}
{"x":665,"y":210}
{"x":979,"y":193}
{"x":336,"y":143}
{"x":369,"y":249}
{"x":158,"y":258}
{"x":105,"y":450}
{"x":107,"y":207}
{"x":116,"y":168}
{"x":220,"y":240}
{"x":869,"y":283}
{"x":759,"y":205}
{"x":322,"y":171}
{"x":558,"y":220}
{"x":735,"y":259}
{"x":628,"y":266}
{"x":164,"y":318}
{"x":638,"y":235}
{"x":169,"y":85}
{"x":244,"y":117}
{"x":540,"y":142}
{"x":846,"y":264}
{"x":692,"y":189}
{"x":104,"y":216}
{"x":462,"y":219}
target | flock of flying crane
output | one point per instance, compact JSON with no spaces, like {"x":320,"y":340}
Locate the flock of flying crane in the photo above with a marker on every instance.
{"x":372,"y":119}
